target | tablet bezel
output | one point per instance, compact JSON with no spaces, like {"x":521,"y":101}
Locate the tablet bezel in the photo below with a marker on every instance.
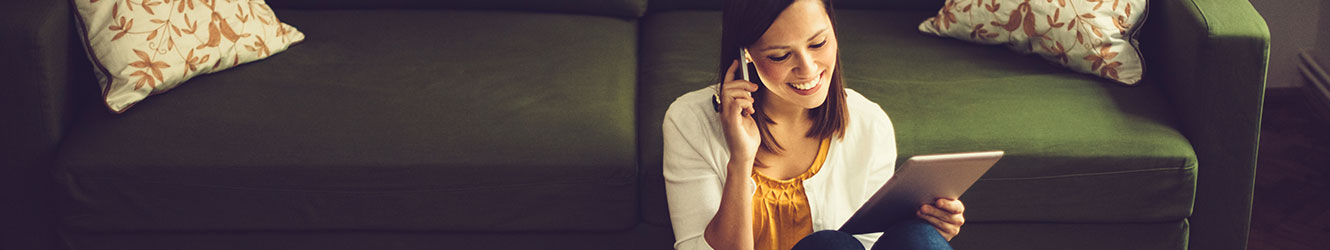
{"x":920,"y":180}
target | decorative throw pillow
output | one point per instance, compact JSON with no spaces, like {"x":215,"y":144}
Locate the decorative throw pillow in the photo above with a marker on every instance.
{"x":1090,"y":36}
{"x":144,"y":47}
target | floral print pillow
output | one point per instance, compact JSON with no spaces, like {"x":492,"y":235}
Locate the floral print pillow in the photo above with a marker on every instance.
{"x":1090,"y":36}
{"x":144,"y":47}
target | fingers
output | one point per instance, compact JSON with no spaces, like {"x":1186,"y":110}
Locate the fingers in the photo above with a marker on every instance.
{"x":745,"y":86}
{"x":729,"y":79}
{"x":737,"y":93}
{"x":729,"y":74}
{"x":947,"y":230}
{"x":738,"y":97}
{"x":735,"y":107}
{"x":939,"y":224}
{"x":956,"y":219}
{"x":947,"y":216}
{"x":741,"y":105}
{"x":949,"y":205}
{"x":746,"y":106}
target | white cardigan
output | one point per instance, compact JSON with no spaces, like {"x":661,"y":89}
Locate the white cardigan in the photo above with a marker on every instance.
{"x":696,"y":156}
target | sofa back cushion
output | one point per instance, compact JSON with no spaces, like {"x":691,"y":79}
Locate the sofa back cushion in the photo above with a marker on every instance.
{"x":667,"y":5}
{"x":166,"y":48}
{"x":615,"y":8}
{"x":372,"y":130}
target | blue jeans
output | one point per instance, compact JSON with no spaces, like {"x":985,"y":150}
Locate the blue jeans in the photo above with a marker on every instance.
{"x":906,"y":235}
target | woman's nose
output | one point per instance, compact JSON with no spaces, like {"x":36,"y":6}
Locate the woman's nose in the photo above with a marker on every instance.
{"x":806,"y":65}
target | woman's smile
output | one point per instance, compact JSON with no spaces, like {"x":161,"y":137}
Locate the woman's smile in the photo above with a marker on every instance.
{"x":810,"y":87}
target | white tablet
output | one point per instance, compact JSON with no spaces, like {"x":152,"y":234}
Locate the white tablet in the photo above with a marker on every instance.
{"x":922,"y":180}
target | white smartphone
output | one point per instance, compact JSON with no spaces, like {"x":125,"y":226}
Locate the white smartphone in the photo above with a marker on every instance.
{"x":743,"y":63}
{"x":743,"y":73}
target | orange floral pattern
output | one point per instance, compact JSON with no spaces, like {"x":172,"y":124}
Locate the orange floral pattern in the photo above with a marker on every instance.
{"x":1090,"y":36}
{"x":144,"y":47}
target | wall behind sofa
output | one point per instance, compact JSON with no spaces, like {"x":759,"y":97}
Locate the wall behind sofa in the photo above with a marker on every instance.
{"x":1322,"y":50}
{"x":1295,"y":25}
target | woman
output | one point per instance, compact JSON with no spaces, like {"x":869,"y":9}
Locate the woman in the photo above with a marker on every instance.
{"x":770,"y":162}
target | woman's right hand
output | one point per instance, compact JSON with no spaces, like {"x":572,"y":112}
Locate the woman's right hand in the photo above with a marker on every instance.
{"x":732,"y":226}
{"x":741,"y":136}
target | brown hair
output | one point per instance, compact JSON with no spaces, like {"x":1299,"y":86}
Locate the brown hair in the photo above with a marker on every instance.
{"x":742,"y":23}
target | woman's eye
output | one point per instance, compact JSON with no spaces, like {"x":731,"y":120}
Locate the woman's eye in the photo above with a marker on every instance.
{"x":781,"y":58}
{"x":818,"y":45}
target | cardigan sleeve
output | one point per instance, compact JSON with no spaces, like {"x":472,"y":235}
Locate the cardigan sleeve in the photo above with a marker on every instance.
{"x":882,"y":156}
{"x":692,"y":184}
{"x":882,"y":163}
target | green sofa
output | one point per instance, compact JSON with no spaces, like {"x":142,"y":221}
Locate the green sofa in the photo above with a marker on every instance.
{"x":519,"y":124}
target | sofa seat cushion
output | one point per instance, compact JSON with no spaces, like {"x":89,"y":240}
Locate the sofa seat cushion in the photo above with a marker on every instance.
{"x":1079,"y":149}
{"x":392,"y":120}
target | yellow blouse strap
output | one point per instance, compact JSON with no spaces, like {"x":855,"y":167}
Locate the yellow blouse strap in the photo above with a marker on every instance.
{"x":817,"y":162}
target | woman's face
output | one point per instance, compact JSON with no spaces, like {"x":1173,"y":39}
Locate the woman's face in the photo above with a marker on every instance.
{"x":796,"y":56}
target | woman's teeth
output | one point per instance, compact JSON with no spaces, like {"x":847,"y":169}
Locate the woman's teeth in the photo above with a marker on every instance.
{"x":808,"y":85}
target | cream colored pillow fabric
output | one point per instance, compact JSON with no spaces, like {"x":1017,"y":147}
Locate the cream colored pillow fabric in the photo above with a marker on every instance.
{"x":144,"y":47}
{"x":1090,"y":36}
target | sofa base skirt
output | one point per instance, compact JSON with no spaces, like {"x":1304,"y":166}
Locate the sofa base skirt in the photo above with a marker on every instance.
{"x":994,"y":236}
{"x":644,"y":236}
{"x":1141,"y":236}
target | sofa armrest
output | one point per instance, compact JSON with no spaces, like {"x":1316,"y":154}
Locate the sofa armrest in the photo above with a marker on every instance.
{"x":1211,"y":58}
{"x":41,"y":62}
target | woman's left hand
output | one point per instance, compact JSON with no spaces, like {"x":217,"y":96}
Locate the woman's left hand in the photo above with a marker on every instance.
{"x":946,"y":215}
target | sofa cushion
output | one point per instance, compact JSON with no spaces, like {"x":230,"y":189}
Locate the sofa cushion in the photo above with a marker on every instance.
{"x":629,"y":9}
{"x":133,"y":62}
{"x":672,"y":5}
{"x":1078,"y":150}
{"x":395,"y":120}
{"x":1087,"y":38}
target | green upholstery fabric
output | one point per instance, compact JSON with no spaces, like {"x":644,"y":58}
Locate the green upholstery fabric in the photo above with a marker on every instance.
{"x":1211,"y":57}
{"x":1078,"y":149}
{"x":41,"y":66}
{"x":993,"y":236}
{"x":628,"y":9}
{"x":655,"y":6}
{"x":365,"y":136}
{"x":1117,"y":236}
{"x":395,"y":120}
{"x":643,"y":237}
{"x":678,"y":56}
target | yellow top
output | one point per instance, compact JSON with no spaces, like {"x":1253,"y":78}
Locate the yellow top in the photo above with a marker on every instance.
{"x":781,"y":215}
